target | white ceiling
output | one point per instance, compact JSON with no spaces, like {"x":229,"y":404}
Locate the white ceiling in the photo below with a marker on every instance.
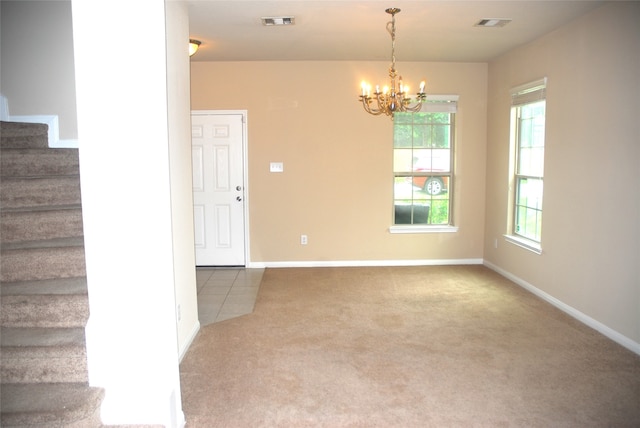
{"x":426,"y":30}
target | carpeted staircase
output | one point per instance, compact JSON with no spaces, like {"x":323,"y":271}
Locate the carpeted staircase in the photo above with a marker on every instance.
{"x":44,"y":290}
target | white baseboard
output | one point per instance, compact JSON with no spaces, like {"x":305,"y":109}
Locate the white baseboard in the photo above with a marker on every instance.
{"x":583,"y":318}
{"x":364,"y":263}
{"x":194,"y":332}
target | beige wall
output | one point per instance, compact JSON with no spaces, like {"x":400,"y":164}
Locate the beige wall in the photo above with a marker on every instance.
{"x":591,"y":219}
{"x":337,"y":181}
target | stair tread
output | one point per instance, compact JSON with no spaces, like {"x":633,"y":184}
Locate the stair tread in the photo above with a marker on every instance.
{"x":13,"y":178}
{"x":45,"y":310}
{"x":28,"y":150}
{"x":36,"y":263}
{"x":60,"y":403}
{"x":42,"y":337}
{"x":12,"y":129}
{"x":75,"y":241}
{"x":26,"y":162}
{"x":40,"y":225}
{"x":40,"y":191}
{"x":75,"y":285}
{"x":23,"y":134}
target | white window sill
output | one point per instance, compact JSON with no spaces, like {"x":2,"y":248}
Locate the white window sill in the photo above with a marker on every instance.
{"x":422,"y":229}
{"x":532,"y":246}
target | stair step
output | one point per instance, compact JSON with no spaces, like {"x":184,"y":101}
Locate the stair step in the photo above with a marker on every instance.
{"x":24,"y":135}
{"x":46,"y":223}
{"x":45,"y":310}
{"x":44,"y":306}
{"x":22,"y":192}
{"x":69,"y":405}
{"x":37,"y":260}
{"x":31,"y":355}
{"x":58,"y":302}
{"x":39,"y":162}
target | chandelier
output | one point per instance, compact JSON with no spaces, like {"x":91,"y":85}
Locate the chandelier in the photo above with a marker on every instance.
{"x":391,"y":99}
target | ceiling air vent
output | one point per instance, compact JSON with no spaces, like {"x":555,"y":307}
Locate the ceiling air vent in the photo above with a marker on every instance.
{"x":278,"y":20}
{"x":492,"y":22}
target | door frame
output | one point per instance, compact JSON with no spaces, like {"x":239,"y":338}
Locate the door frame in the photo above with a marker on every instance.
{"x":245,"y":168}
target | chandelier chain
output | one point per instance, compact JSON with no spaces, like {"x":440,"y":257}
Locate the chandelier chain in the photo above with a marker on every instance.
{"x":392,"y":31}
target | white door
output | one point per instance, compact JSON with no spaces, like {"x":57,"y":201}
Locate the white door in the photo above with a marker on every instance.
{"x":218,"y":188}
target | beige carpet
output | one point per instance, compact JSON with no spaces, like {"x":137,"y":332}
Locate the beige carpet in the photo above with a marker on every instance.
{"x":405,"y":347}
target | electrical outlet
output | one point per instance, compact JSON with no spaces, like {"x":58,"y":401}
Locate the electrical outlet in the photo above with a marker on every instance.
{"x":179,"y":313}
{"x":303,"y":239}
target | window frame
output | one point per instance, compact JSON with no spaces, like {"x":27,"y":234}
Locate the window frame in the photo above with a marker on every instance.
{"x":522,"y":96}
{"x":434,"y":104}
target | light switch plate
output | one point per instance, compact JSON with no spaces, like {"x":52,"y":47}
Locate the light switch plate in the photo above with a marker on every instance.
{"x":276,"y":167}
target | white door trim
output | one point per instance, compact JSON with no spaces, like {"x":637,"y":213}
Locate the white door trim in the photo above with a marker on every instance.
{"x":245,"y":167}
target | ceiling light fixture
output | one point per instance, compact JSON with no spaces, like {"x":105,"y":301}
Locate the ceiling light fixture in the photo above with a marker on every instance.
{"x":278,"y":20}
{"x":193,"y":46}
{"x":391,"y":99}
{"x":492,"y":22}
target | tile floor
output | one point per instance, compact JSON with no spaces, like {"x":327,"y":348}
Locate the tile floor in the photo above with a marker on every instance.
{"x":225,"y":293}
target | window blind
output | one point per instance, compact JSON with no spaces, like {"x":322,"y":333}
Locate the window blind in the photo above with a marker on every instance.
{"x":440,"y":104}
{"x":529,"y":92}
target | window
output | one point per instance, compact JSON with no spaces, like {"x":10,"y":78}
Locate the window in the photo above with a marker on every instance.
{"x":528,"y":131}
{"x":423,"y":164}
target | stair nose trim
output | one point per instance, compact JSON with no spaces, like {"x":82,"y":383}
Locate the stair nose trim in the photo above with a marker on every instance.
{"x":73,"y":285}
{"x":67,"y":242}
{"x":42,"y":337}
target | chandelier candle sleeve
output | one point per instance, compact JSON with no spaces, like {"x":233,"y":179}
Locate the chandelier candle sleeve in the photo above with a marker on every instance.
{"x":391,"y":99}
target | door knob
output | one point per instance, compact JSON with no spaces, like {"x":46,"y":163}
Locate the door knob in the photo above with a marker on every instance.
{"x":238,"y":188}
{"x":238,"y":198}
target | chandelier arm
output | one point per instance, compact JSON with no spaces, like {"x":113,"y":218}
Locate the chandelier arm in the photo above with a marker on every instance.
{"x":366,"y":101}
{"x":415,"y":108}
